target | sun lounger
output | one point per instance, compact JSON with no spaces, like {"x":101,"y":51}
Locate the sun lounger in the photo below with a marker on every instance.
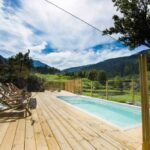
{"x":15,"y":101}
{"x":14,"y":93}
{"x":14,"y":104}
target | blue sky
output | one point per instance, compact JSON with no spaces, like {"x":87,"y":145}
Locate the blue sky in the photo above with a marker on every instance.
{"x":56,"y":38}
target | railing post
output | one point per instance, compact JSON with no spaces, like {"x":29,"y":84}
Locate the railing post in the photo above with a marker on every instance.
{"x":144,"y":103}
{"x":133,"y":93}
{"x":81,"y":86}
{"x":67,"y":86}
{"x":70,"y":86}
{"x":107,"y":89}
{"x":74,"y":85}
{"x":91,"y":88}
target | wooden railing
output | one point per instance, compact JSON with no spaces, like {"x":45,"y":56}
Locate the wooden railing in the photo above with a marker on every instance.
{"x":74,"y":86}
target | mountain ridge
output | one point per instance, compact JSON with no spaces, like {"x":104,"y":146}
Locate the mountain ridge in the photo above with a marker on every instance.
{"x":3,"y":60}
{"x":120,"y":66}
{"x":36,"y":63}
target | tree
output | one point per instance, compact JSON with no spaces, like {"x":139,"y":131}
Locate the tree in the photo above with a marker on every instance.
{"x":93,"y":75}
{"x":118,"y":83}
{"x":20,"y":65}
{"x":133,"y":24}
{"x":101,"y":77}
{"x":46,"y":70}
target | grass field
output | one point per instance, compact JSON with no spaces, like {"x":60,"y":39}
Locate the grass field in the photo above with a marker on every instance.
{"x":54,"y":78}
{"x":99,"y":91}
{"x":124,"y":98}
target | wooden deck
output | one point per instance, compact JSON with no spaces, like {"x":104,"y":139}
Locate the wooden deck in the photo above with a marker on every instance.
{"x":57,"y":126}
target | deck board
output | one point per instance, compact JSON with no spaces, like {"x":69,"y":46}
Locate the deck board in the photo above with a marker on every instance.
{"x":39,"y":135}
{"x":18,"y":143}
{"x":29,"y":135}
{"x":3,"y":130}
{"x":57,"y":126}
{"x":9,"y":136}
{"x":50,"y":139}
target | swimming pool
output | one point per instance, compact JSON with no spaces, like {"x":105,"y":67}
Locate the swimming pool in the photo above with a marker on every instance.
{"x":123,"y":116}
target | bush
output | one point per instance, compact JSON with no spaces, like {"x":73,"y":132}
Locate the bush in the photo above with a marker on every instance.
{"x":35,"y":84}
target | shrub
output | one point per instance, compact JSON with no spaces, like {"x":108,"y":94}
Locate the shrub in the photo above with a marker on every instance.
{"x":35,"y":84}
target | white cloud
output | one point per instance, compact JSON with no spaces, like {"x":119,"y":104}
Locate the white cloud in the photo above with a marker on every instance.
{"x":69,"y":59}
{"x":69,"y":36}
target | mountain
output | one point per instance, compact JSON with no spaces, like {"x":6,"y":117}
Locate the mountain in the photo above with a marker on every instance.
{"x":37,"y":63}
{"x":122,"y":66}
{"x":38,"y":66}
{"x":43,"y":68}
{"x":3,"y":61}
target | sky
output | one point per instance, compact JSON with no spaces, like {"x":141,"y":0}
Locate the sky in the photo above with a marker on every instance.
{"x":57,"y":38}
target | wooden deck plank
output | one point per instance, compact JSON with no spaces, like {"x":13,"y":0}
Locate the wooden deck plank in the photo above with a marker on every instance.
{"x":19,"y":139}
{"x":50,"y":139}
{"x":3,"y":130}
{"x":72,"y":134}
{"x":29,"y":135}
{"x":9,"y":136}
{"x":60,"y":138}
{"x":69,"y":138}
{"x":5,"y":120}
{"x":38,"y":134}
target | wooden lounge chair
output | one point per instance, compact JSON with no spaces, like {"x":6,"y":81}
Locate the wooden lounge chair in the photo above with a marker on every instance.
{"x":14,"y":104}
{"x":15,"y":101}
{"x":14,"y":91}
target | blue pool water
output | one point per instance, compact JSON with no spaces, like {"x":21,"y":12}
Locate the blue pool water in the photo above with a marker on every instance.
{"x":121,"y":115}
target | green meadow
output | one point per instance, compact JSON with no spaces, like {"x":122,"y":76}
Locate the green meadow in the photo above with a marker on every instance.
{"x":53,"y":78}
